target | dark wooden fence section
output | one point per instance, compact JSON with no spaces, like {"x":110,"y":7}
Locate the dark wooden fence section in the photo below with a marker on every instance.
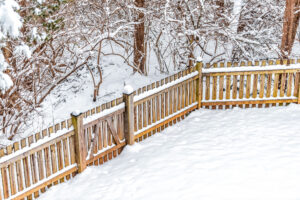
{"x":31,"y":166}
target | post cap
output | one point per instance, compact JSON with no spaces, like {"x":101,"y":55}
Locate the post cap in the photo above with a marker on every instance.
{"x":199,"y":59}
{"x":76,"y":113}
{"x":128,"y":89}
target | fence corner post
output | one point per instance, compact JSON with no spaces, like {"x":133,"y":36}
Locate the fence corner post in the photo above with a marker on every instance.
{"x":80,"y":146}
{"x":199,"y":83}
{"x":129,"y":115}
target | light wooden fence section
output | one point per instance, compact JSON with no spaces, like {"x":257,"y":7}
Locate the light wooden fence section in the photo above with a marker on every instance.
{"x":260,"y":84}
{"x":164,"y":103}
{"x":29,"y":167}
{"x":38,"y":162}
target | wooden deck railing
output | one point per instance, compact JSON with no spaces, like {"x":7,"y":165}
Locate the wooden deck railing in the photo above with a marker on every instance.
{"x":29,"y":167}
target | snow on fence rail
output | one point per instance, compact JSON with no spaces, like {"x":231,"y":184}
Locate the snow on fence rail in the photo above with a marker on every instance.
{"x":58,"y":153}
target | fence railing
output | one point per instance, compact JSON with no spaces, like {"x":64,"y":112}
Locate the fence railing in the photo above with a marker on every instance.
{"x":29,"y":167}
{"x":253,"y":86}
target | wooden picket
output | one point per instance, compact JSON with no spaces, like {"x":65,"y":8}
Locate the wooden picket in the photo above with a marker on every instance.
{"x":34,"y":164}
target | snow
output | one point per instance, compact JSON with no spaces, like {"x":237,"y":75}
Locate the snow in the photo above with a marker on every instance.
{"x":76,"y":113}
{"x":249,"y":154}
{"x":199,"y":59}
{"x":103,"y":113}
{"x":128,"y":89}
{"x":165,"y":86}
{"x":23,"y":50}
{"x":10,"y":23}
{"x":244,"y":69}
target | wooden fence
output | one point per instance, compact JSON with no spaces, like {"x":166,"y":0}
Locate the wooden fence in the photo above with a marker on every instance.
{"x":29,"y":167}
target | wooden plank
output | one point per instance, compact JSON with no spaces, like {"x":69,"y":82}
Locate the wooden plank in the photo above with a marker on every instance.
{"x":186,"y":86}
{"x":144,"y":111}
{"x":228,"y":85}
{"x":135,"y":115}
{"x":183,"y":94}
{"x":100,"y":133}
{"x":241,"y":85}
{"x":72,"y":149}
{"x":113,"y":131}
{"x":5,"y":182}
{"x":154,"y":104}
{"x":60,"y":157}
{"x":104,"y":133}
{"x":221,"y":85}
{"x":296,"y":84}
{"x":262,"y":88}
{"x":47,"y":161}
{"x":33,"y":166}
{"x":140,"y":117}
{"x":248,"y":88}
{"x":255,"y":81}
{"x":283,"y":84}
{"x":53,"y":160}
{"x":234,"y":87}
{"x":88,"y":132}
{"x":215,"y":82}
{"x":269,"y":83}
{"x":11,"y":172}
{"x":40,"y":161}
{"x":179,"y":98}
{"x":149,"y":111}
{"x":275,"y":89}
{"x":162,"y":99}
{"x":25,"y":166}
{"x":207,"y":88}
{"x":289,"y":86}
{"x":66,"y":154}
{"x":18,"y":169}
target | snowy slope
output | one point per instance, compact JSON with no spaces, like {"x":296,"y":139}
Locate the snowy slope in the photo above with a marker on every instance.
{"x":250,"y":154}
{"x":77,"y":94}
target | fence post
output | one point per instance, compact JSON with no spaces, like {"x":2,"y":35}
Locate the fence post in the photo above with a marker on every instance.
{"x":129,"y":115}
{"x":80,"y":145}
{"x":199,"y":83}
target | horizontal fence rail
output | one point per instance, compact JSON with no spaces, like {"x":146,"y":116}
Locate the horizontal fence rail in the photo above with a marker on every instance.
{"x":31,"y":166}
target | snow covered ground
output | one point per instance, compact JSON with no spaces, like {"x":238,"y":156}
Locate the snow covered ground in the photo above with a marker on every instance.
{"x":211,"y":155}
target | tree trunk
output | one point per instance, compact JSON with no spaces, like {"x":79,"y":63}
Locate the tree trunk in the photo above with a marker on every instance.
{"x":139,"y":38}
{"x":290,"y":26}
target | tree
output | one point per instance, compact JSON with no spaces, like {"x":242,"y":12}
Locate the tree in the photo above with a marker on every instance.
{"x":290,"y":26}
{"x":139,"y":37}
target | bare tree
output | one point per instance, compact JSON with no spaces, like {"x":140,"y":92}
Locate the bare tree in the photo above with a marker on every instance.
{"x":139,"y":37}
{"x":290,"y":26}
